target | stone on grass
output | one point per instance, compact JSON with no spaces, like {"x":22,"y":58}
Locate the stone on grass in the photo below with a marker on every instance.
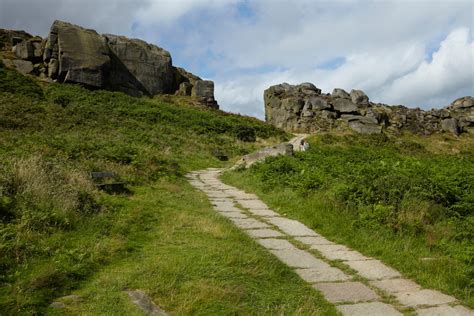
{"x":233,"y":214}
{"x":263,"y":213}
{"x":423,"y":297}
{"x":276,"y":244}
{"x":297,"y":258}
{"x":368,"y":309}
{"x":445,"y":310}
{"x":244,"y":196}
{"x":264,"y":233}
{"x":291,"y":227}
{"x":145,"y":303}
{"x":226,"y":208}
{"x":350,"y":292}
{"x":252,"y":204}
{"x":310,"y":241}
{"x":323,"y":274}
{"x":373,"y":269}
{"x":396,"y":285}
{"x":343,"y":255}
{"x":248,"y":223}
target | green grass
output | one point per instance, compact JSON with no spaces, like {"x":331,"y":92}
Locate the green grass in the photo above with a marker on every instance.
{"x":59,"y":235}
{"x":190,"y":260}
{"x":396,"y":199}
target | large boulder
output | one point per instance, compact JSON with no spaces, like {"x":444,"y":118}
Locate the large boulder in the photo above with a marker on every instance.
{"x":82,"y":54}
{"x":344,"y":106}
{"x":340,"y":93}
{"x":139,"y":66}
{"x":462,"y":104}
{"x":308,"y":88}
{"x":363,"y":124}
{"x":22,"y":66}
{"x":316,"y":103}
{"x":450,"y":125}
{"x":203,"y":89}
{"x":359,"y":97}
{"x":31,"y":49}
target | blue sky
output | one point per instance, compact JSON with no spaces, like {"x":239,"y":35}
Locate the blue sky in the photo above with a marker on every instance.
{"x":419,"y":53}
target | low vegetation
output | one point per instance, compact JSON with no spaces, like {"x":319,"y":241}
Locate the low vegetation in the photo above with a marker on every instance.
{"x":59,"y":235}
{"x":406,"y":200}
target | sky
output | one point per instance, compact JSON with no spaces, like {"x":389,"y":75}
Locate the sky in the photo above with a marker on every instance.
{"x":419,"y":53}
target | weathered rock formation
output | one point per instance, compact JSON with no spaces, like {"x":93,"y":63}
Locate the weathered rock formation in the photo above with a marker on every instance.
{"x":77,"y":55}
{"x":303,"y":108}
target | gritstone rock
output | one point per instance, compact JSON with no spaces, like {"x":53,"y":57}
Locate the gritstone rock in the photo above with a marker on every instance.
{"x":302,"y":108}
{"x":77,"y":55}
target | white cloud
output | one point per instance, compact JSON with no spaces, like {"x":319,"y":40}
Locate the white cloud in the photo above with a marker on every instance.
{"x":168,"y":11}
{"x":246,"y":46}
{"x":450,"y":73}
{"x":395,"y":76}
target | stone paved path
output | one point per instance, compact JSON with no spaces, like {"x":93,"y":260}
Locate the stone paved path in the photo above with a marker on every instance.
{"x":366,"y":287}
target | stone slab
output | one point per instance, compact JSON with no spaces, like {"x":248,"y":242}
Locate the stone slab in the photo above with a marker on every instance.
{"x":311,"y":241}
{"x":423,"y":297}
{"x":323,"y":274}
{"x":368,"y":309}
{"x":233,"y":214}
{"x":264,"y":233}
{"x":252,"y":204}
{"x":277,"y":244}
{"x":291,"y":227}
{"x":350,"y":255}
{"x":227,"y":208}
{"x":217,"y":195}
{"x":396,"y":285}
{"x":218,"y":200}
{"x":245,"y":196}
{"x":346,"y":292}
{"x":326,"y":250}
{"x":373,"y":269}
{"x":446,"y":311}
{"x":248,"y":223}
{"x":264,"y":213}
{"x":297,"y":258}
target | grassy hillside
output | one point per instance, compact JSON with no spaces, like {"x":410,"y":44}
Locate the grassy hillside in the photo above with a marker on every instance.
{"x":60,"y":235}
{"x":407,"y":200}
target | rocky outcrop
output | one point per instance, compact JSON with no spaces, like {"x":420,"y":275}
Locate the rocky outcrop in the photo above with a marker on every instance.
{"x":10,"y":38}
{"x":77,"y":55}
{"x":82,"y":55}
{"x":136,"y":65}
{"x":303,"y":108}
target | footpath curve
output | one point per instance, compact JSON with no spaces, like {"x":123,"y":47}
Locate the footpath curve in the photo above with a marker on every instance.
{"x":370,"y":288}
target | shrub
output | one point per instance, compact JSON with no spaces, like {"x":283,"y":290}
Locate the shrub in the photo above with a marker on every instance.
{"x":245,"y":133}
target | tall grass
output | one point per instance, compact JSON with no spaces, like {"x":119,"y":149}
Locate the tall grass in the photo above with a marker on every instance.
{"x":37,"y":197}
